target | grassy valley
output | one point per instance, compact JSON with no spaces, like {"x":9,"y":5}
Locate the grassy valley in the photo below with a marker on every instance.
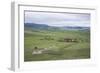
{"x":59,"y":44}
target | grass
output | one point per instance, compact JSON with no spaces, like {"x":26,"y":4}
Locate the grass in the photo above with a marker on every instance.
{"x":60,"y":50}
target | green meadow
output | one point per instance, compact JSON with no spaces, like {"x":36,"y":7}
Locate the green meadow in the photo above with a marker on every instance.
{"x":60,"y":44}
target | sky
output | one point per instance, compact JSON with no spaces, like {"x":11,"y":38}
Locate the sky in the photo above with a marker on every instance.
{"x":58,"y":19}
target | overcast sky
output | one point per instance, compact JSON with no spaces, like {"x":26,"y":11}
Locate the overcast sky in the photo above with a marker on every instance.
{"x":57,"y":19}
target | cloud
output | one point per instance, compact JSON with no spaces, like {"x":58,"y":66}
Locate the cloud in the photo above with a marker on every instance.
{"x":57,"y":19}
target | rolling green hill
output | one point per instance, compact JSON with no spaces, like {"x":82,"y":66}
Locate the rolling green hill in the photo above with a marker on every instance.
{"x":60,"y":44}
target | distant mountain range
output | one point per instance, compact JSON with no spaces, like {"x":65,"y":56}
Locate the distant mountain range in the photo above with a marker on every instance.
{"x":47,"y":27}
{"x":75,"y":28}
{"x":34,"y":25}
